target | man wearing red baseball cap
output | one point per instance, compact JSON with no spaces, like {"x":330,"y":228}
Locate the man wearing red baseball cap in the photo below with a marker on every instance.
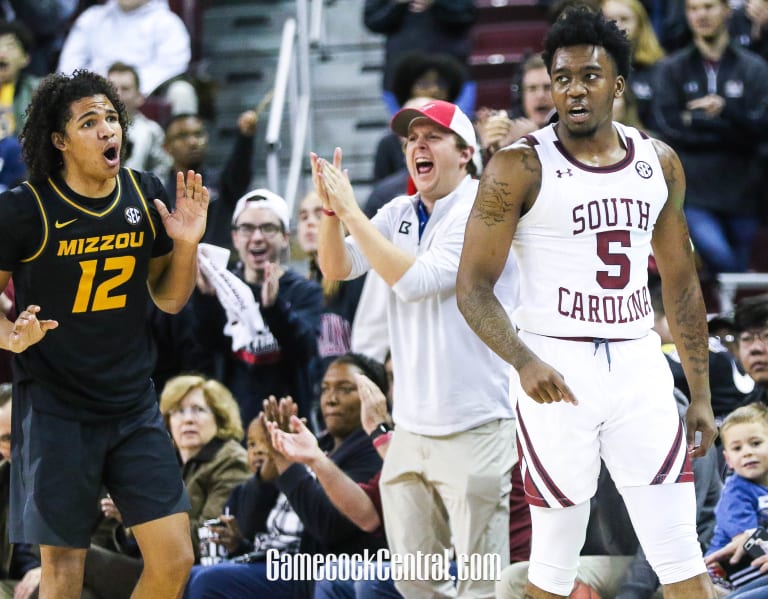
{"x":445,"y":480}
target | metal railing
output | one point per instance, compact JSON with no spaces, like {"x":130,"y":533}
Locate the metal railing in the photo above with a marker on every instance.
{"x":292,"y":89}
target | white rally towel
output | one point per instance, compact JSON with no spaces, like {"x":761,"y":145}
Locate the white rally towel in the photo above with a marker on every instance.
{"x":244,"y":320}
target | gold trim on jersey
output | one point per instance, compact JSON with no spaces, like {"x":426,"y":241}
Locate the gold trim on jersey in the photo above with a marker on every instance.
{"x":143,"y":202}
{"x":74,"y":204}
{"x":45,"y":223}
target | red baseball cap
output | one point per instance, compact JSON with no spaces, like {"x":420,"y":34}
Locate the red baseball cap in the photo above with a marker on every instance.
{"x":443,"y":113}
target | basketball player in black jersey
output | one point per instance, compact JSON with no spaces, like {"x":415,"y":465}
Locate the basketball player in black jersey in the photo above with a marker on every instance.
{"x":88,"y":243}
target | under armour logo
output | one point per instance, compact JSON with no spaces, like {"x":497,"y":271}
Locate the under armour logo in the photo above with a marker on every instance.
{"x":405,"y":227}
{"x":565,"y":172}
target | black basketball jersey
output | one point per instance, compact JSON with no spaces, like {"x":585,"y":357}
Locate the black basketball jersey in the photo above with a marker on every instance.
{"x":85,"y":262}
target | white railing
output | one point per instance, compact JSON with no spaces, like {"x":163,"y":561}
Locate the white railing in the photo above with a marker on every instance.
{"x":292,"y":89}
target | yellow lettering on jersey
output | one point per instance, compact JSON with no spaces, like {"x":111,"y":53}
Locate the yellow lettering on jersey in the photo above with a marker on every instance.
{"x":105,"y":243}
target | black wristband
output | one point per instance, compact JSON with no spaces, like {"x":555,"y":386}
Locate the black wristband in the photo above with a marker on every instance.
{"x":381,"y":429}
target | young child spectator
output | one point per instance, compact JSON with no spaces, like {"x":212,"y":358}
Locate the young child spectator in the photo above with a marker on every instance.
{"x":266,"y":343}
{"x":145,"y":150}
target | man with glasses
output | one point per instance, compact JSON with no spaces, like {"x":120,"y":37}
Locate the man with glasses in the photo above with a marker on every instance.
{"x":269,"y":350}
{"x":751,"y":323}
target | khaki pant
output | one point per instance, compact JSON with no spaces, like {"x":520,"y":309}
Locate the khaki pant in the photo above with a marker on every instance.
{"x":439,"y":492}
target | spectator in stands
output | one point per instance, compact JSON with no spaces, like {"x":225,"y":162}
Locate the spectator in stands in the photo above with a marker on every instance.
{"x":497,"y":128}
{"x":631,"y":17}
{"x":443,"y":440}
{"x":48,"y":21}
{"x":186,"y":141}
{"x":340,"y":297}
{"x":19,"y":563}
{"x":749,"y":26}
{"x":751,"y":323}
{"x":16,"y":85}
{"x":204,"y":422}
{"x":418,"y":74}
{"x":267,"y":344}
{"x":145,"y":150}
{"x":326,"y":529}
{"x":612,"y":562}
{"x":432,"y":26}
{"x":142,"y":33}
{"x":711,"y":105}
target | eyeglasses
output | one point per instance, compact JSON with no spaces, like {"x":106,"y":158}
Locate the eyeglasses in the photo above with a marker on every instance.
{"x":749,"y":337}
{"x":194,"y":411}
{"x":266,"y":229}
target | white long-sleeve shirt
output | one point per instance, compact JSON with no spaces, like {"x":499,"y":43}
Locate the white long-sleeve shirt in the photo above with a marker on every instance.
{"x":446,"y":379}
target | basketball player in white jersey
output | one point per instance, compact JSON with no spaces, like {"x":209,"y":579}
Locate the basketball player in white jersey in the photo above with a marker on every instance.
{"x":582,"y":203}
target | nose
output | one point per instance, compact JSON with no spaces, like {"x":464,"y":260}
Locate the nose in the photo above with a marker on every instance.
{"x":577,"y":89}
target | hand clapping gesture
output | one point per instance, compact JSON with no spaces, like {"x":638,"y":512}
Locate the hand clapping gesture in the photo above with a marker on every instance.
{"x":187,"y":221}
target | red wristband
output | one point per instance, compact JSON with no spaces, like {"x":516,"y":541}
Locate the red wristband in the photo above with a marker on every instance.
{"x":382,"y":439}
{"x":328,"y":212}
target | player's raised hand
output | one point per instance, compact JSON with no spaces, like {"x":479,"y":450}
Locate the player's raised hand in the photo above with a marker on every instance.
{"x":28,"y":329}
{"x":187,"y":221}
{"x":544,"y":384}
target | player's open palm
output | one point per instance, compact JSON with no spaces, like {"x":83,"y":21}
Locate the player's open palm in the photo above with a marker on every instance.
{"x":544,"y":384}
{"x":28,"y":329}
{"x":187,"y":221}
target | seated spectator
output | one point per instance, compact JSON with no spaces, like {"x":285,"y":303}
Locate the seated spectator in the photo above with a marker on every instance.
{"x":742,"y":505}
{"x":204,"y":422}
{"x":145,"y":150}
{"x":186,"y":142}
{"x":144,"y":33}
{"x":498,"y":128}
{"x":326,"y":529}
{"x":750,"y":320}
{"x":631,"y":17}
{"x":749,"y":26}
{"x":266,"y":341}
{"x":20,"y":563}
{"x":16,"y":84}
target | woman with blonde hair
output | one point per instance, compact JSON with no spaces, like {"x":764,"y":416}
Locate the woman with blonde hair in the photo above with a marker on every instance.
{"x":204,"y":421}
{"x":631,"y":16}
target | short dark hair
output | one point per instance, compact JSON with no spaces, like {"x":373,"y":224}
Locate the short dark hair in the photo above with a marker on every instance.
{"x":580,"y":25}
{"x":180,"y":116}
{"x":121,"y":67}
{"x":751,"y":313}
{"x":50,"y":110}
{"x":21,"y":32}
{"x":371,"y":368}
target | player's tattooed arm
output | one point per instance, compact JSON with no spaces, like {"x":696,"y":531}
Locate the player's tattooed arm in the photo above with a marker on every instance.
{"x":683,"y":300}
{"x":507,"y":189}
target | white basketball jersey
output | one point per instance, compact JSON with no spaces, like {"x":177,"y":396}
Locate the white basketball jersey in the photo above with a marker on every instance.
{"x":583,"y":247}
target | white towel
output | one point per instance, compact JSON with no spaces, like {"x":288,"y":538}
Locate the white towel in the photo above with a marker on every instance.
{"x":244,"y":320}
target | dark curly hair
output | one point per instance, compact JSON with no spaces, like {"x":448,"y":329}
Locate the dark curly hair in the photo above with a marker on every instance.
{"x":371,"y":368}
{"x":751,"y":313}
{"x":413,"y":65}
{"x":50,"y":111}
{"x":580,"y":25}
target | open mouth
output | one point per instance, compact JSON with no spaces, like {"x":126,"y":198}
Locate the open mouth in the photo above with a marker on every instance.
{"x":111,"y":155}
{"x":578,"y":113}
{"x":424,"y":166}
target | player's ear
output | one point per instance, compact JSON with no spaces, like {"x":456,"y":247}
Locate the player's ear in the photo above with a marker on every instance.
{"x":57,"y":139}
{"x":621,"y":85}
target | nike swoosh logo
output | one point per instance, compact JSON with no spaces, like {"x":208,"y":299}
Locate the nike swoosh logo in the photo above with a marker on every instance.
{"x":59,"y":225}
{"x":743,"y":382}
